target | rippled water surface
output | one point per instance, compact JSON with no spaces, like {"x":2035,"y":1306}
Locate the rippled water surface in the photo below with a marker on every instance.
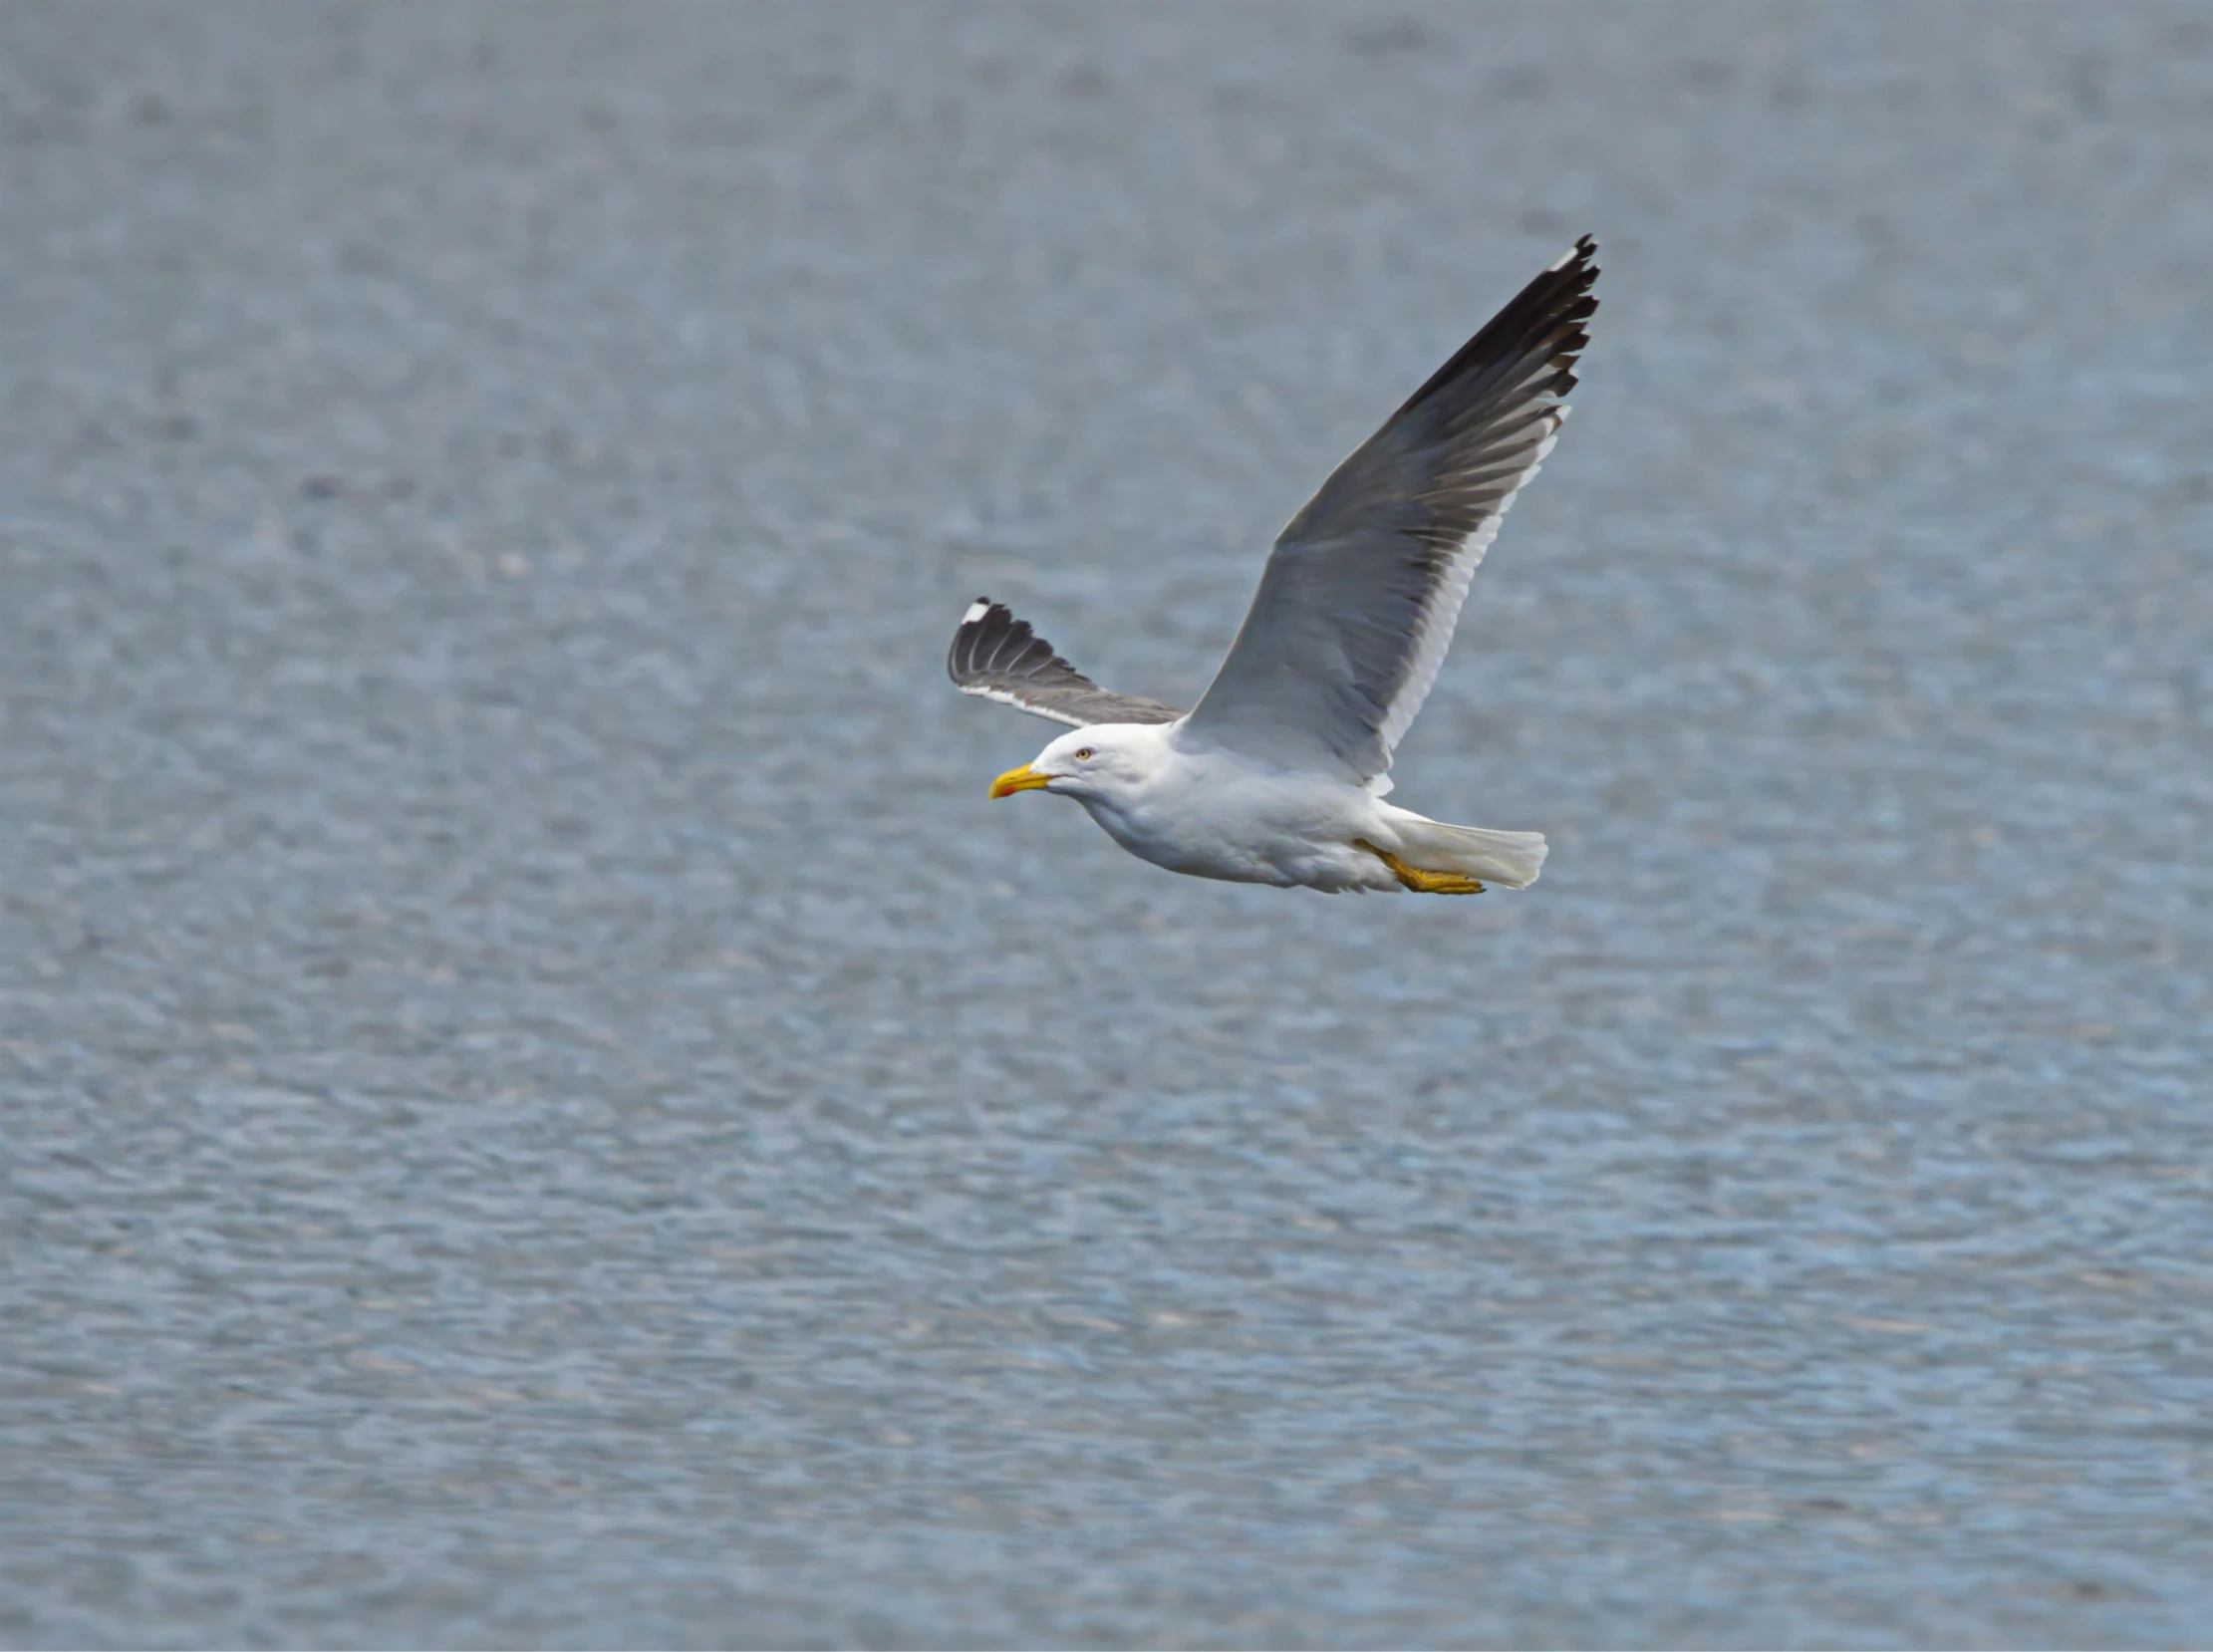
{"x":540,"y":1103}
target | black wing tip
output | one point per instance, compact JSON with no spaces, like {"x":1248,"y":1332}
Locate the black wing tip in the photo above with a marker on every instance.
{"x":1567,"y":282}
{"x":1579,"y":255}
{"x":984,"y":619}
{"x":1551,"y":314}
{"x":986,"y":616}
{"x":990,"y":643}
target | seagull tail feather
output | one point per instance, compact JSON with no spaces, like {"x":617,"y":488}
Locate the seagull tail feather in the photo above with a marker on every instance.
{"x":1509,"y":859}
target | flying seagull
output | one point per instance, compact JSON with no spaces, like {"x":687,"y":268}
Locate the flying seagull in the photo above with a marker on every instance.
{"x":1279,"y":774}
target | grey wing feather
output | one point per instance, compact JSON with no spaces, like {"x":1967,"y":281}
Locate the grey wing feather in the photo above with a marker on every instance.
{"x":1000,"y":658}
{"x":1359,"y":598}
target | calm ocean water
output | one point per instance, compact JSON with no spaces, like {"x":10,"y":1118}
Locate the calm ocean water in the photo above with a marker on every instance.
{"x":540,"y":1103}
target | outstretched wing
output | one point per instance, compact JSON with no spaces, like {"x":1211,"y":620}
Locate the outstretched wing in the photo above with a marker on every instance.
{"x":999,"y":656}
{"x":1359,"y":602}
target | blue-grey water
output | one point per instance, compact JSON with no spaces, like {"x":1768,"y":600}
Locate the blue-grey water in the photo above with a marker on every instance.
{"x":539,"y":1102}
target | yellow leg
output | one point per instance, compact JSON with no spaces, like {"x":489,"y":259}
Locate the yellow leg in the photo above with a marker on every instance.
{"x":1420,"y":881}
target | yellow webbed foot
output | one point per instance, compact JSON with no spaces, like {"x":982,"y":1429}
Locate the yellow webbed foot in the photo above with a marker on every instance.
{"x":1420,"y":881}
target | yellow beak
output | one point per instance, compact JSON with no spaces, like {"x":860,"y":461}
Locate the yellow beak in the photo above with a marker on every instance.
{"x":1024,"y":778}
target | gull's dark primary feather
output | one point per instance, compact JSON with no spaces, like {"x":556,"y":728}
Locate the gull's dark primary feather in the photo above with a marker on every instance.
{"x":1359,"y":598}
{"x":1000,"y":658}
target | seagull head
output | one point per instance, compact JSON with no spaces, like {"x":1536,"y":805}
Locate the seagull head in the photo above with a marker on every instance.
{"x":1094,"y":765}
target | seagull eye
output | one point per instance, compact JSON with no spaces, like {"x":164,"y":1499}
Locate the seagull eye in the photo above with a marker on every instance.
{"x":1083,"y":753}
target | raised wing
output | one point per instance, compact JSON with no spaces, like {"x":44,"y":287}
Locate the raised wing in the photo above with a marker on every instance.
{"x":1359,"y":598}
{"x":999,"y":656}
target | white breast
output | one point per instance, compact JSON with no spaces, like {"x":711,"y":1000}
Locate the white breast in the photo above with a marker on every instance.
{"x":1210,"y":815}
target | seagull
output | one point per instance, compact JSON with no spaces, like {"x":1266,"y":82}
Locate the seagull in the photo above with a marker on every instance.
{"x":1279,"y":774}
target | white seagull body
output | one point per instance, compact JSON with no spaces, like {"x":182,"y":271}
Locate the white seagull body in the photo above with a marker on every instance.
{"x":1279,"y":774}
